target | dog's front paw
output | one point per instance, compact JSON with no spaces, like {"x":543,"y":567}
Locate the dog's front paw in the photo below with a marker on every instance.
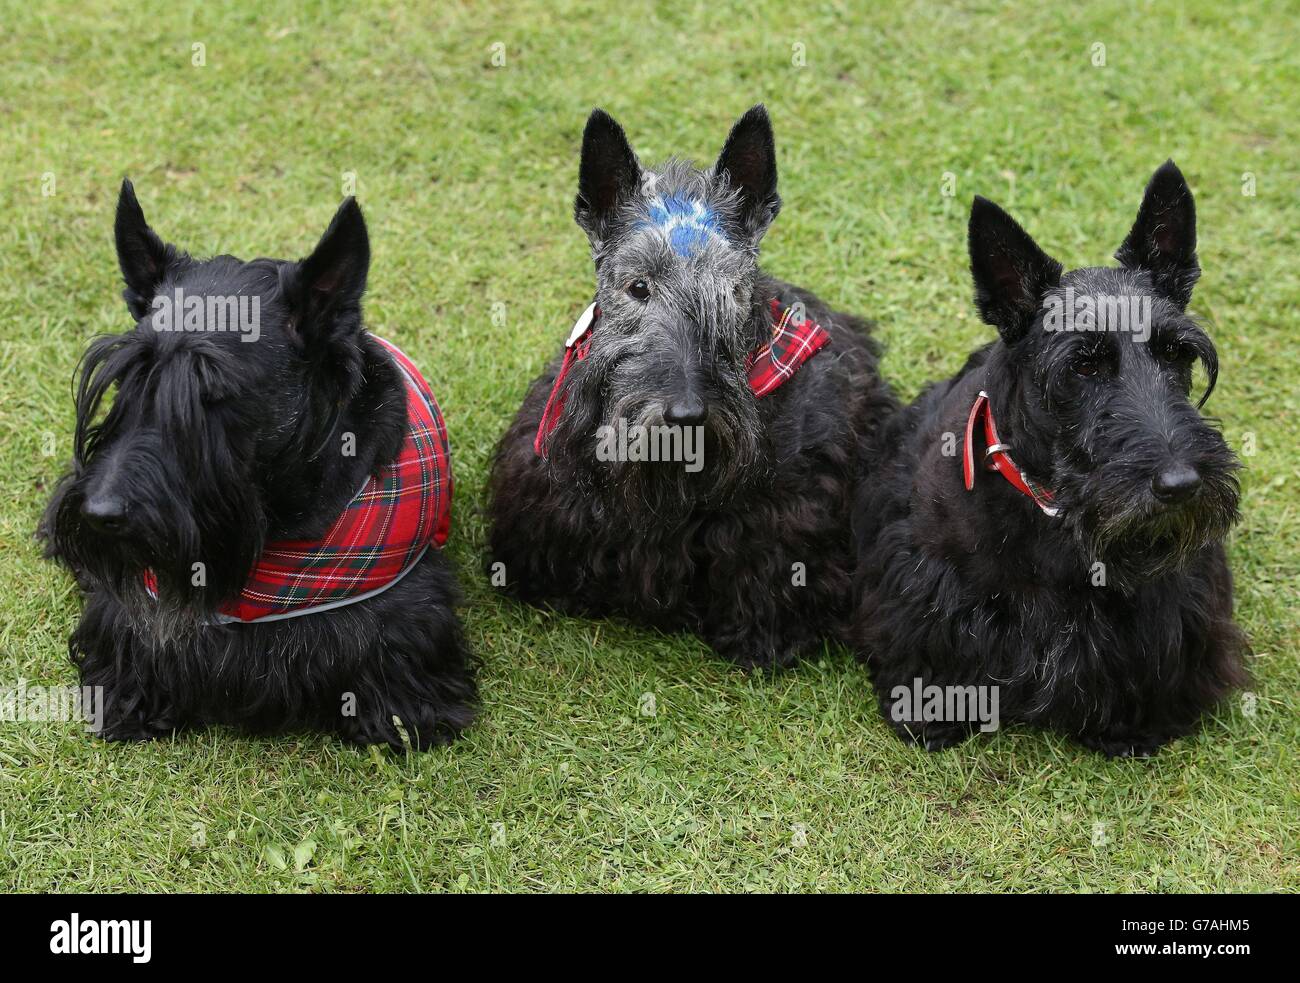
{"x":418,"y":731}
{"x":762,"y":660}
{"x":932,"y":736}
{"x":1124,"y":745}
{"x":760,"y":651}
{"x":411,"y":719}
{"x":130,"y":728}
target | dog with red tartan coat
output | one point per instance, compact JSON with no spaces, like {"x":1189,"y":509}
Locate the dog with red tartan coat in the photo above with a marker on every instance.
{"x":256,"y":520}
{"x":768,"y":396}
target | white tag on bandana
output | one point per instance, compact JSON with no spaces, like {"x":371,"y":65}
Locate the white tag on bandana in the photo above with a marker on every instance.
{"x":581,"y":325}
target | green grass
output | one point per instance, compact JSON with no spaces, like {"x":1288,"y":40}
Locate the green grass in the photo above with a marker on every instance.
{"x":467,"y":171}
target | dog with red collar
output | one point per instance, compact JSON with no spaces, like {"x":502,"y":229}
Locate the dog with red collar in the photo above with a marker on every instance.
{"x":1044,"y":534}
{"x":257,"y":518}
{"x":688,"y":459}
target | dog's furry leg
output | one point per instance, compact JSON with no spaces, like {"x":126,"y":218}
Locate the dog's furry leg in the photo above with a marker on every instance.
{"x":416,"y":674}
{"x":107,"y":652}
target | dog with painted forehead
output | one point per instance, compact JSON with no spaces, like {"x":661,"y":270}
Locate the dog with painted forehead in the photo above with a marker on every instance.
{"x":740,"y":537}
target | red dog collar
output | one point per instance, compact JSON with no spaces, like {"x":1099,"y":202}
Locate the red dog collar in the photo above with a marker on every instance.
{"x":575,"y":350}
{"x":792,"y":343}
{"x":997,"y":459}
{"x":377,"y":539}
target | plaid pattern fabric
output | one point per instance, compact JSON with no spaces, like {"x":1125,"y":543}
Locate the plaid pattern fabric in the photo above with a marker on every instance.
{"x":793,"y":342}
{"x":376,"y":539}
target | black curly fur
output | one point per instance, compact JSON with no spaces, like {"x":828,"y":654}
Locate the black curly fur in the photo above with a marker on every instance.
{"x":714,"y":552}
{"x":214,"y":446}
{"x":962,"y":588}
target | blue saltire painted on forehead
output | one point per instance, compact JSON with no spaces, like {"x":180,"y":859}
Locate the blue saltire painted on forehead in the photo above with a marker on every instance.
{"x":687,"y":223}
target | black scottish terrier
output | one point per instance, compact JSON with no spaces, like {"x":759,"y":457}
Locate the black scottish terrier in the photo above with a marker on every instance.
{"x":222,"y":460}
{"x":748,"y":546}
{"x":1050,"y":520}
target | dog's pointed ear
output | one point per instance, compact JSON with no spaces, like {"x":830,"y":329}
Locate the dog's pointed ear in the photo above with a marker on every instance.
{"x":748,"y":160}
{"x":608,"y":175}
{"x":332,"y":279}
{"x":1163,"y":239}
{"x":142,"y":256}
{"x":1010,"y":271}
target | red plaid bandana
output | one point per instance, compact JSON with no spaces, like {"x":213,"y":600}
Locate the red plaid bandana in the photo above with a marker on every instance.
{"x":376,"y":540}
{"x":793,"y":342}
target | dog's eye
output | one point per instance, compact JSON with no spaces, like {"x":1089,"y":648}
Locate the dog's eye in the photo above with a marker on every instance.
{"x":1087,"y":366}
{"x":1172,"y":351}
{"x":639,"y":289}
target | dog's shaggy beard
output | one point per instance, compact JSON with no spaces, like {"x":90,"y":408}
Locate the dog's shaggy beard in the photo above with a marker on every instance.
{"x":165,"y":534}
{"x":602,"y":396}
{"x":1116,"y":520}
{"x":193,"y":522}
{"x":1100,"y":470}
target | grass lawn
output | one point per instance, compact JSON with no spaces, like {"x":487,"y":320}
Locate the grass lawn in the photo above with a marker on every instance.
{"x":467,"y":169}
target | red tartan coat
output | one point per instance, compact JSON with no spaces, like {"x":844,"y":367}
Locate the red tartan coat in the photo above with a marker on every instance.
{"x":378,"y":537}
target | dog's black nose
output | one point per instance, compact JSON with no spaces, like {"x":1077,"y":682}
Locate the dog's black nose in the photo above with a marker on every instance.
{"x":1176,"y":483}
{"x":104,"y":513}
{"x":689,"y":411}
